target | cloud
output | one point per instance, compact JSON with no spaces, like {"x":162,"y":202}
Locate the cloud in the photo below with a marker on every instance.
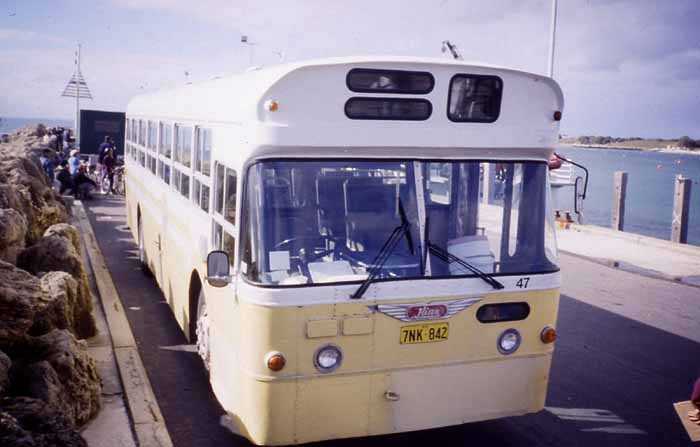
{"x":17,"y":34}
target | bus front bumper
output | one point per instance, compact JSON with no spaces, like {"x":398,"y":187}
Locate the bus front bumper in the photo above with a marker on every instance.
{"x":351,"y":405}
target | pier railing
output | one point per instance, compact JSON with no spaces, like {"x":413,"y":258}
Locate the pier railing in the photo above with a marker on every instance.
{"x":681,"y":206}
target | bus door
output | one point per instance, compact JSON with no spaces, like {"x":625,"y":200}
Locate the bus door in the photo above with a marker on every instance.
{"x":222,"y":302}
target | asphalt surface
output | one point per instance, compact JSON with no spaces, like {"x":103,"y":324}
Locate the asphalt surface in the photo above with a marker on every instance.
{"x":628,"y":347}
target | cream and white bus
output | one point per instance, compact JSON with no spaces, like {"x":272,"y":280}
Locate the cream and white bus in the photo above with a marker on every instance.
{"x":357,"y":246}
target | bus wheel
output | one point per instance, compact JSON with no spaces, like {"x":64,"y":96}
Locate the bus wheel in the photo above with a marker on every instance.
{"x":203,"y":330}
{"x":143,"y":260}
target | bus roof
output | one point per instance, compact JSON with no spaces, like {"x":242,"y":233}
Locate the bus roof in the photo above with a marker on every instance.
{"x":312,"y":95}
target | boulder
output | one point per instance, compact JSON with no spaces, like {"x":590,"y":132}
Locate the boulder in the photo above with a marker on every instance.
{"x":69,"y":232}
{"x":57,"y":369}
{"x":57,"y":253}
{"x":65,"y":308}
{"x":30,"y":422}
{"x":5,"y":364}
{"x":20,"y":296}
{"x":13,"y":229}
{"x":31,"y":193}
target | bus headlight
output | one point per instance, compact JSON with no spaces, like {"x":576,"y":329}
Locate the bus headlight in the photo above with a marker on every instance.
{"x":509,"y":341}
{"x":328,"y":358}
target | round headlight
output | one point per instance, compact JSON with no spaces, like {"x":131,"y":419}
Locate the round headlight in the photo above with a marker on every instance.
{"x":508,"y":341}
{"x":327,"y":358}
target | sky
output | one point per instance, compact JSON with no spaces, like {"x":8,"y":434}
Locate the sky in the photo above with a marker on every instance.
{"x":627,"y":67}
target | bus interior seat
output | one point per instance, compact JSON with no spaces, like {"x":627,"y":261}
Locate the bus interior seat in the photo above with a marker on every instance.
{"x":371,"y":210}
{"x":474,"y":250}
{"x":331,"y":207}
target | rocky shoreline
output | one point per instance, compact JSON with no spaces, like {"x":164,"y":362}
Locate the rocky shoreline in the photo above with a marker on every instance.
{"x":49,"y":385}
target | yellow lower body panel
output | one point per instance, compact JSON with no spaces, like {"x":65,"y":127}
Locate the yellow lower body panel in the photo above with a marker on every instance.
{"x":343,"y":406}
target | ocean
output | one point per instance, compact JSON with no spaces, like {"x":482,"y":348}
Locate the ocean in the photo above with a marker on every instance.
{"x":650,"y":189}
{"x":8,"y":125}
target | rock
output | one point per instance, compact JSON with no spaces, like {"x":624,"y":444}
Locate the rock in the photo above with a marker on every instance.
{"x":5,"y":364}
{"x":57,"y":369}
{"x":57,"y":253}
{"x":69,"y":232}
{"x":20,"y":295}
{"x":30,"y":422}
{"x":13,"y":229}
{"x":65,"y":308}
{"x":31,"y":193}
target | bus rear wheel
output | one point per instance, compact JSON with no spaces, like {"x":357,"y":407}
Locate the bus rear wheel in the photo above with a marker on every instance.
{"x":202,"y":330}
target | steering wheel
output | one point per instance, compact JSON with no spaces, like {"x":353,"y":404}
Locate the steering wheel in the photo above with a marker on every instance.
{"x":308,"y":255}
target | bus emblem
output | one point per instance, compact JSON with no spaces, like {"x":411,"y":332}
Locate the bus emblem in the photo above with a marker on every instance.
{"x":429,"y":312}
{"x":435,"y":310}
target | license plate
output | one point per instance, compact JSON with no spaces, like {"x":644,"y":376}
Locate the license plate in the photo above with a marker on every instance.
{"x":424,"y":333}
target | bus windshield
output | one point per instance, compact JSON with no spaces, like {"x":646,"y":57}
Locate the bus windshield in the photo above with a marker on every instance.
{"x":320,"y":222}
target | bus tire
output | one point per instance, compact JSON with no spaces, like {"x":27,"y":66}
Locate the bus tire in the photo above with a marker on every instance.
{"x":202,"y":325}
{"x":143,"y":258}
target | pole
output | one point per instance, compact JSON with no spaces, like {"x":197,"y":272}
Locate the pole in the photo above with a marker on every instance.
{"x":619,"y":195}
{"x":77,"y":101}
{"x":681,"y":208}
{"x":552,"y":38}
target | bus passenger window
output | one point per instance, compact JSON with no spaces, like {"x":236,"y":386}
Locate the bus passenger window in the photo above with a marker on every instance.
{"x":204,"y":200}
{"x":202,"y":151}
{"x":185,"y":186}
{"x":196,"y":188}
{"x":183,"y":145}
{"x":229,"y":246}
{"x":474,"y":98}
{"x":206,"y":152}
{"x":216,"y":236}
{"x":230,"y":212}
{"x":166,"y":139}
{"x":187,"y":146}
{"x":166,"y":174}
{"x":219,"y":184}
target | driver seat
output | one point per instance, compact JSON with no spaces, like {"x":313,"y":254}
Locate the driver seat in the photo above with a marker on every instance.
{"x":371,"y":210}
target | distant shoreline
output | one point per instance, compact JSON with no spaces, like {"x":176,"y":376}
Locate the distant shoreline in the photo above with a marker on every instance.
{"x":634,"y":148}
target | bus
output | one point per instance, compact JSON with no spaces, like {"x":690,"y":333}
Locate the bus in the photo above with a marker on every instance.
{"x":356,"y":246}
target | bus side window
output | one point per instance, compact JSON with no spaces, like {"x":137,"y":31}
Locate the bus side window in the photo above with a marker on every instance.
{"x":230,"y":202}
{"x":216,"y":238}
{"x":229,"y":247}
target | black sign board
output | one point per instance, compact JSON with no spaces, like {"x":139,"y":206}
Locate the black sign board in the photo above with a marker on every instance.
{"x":96,"y":124}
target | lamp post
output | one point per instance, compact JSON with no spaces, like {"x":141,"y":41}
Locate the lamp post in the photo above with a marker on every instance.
{"x":244,"y":40}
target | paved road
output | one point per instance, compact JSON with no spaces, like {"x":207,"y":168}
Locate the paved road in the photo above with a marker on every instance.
{"x":629,"y":347}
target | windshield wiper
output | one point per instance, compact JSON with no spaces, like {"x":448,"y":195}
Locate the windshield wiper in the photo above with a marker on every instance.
{"x":385,"y":252}
{"x":449,"y":258}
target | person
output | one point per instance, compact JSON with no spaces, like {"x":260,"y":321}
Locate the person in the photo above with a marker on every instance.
{"x":105,"y":147}
{"x":83,"y":185}
{"x":109,"y":163}
{"x":47,"y":163}
{"x":74,"y":162}
{"x":64,"y":178}
{"x":554,"y":162}
{"x":694,"y":414}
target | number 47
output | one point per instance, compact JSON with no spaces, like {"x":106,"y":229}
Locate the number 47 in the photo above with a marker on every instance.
{"x":522,"y":283}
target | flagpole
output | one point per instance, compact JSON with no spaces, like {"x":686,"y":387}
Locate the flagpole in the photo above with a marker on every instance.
{"x":553,"y":30}
{"x":77,"y":104}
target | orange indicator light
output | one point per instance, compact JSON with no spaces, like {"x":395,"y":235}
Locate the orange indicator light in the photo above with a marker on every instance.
{"x":548,"y":335}
{"x":275,"y":361}
{"x":272,"y":106}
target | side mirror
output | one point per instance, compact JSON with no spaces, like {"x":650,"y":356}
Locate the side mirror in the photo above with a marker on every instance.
{"x":218,"y":269}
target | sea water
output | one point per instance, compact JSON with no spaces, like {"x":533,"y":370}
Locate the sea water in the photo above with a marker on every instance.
{"x":650,"y":188}
{"x":8,"y":125}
